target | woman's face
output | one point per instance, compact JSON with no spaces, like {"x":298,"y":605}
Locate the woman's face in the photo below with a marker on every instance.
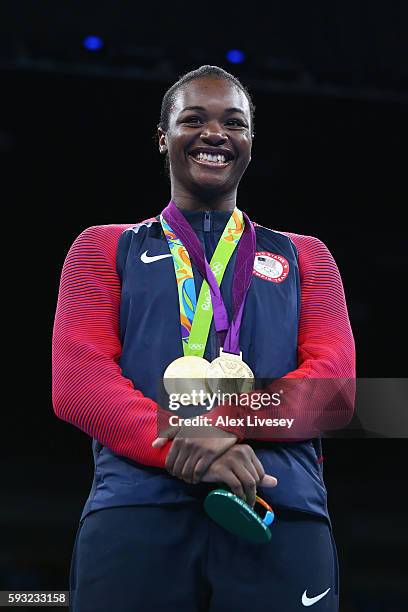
{"x":209,"y":136}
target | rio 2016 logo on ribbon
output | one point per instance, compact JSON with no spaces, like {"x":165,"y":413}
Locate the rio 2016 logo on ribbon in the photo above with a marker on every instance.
{"x":206,"y":305}
{"x":270,"y":266}
{"x":217,"y":267}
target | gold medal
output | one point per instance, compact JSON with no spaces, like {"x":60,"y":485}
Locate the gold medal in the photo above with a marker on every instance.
{"x":228,"y":373}
{"x":185,"y":375}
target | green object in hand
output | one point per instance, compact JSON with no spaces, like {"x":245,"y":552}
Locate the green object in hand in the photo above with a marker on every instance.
{"x":236,"y":516}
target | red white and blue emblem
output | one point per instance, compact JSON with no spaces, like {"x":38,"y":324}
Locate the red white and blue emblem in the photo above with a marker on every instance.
{"x":270,"y":266}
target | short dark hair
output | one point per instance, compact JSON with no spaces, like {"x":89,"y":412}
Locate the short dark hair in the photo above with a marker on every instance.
{"x":203,"y":71}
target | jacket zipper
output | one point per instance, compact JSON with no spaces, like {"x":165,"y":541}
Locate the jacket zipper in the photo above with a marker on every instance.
{"x":214,"y":348}
{"x":207,"y":221}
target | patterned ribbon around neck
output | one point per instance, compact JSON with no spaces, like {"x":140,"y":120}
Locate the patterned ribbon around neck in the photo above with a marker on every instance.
{"x":196,"y":316}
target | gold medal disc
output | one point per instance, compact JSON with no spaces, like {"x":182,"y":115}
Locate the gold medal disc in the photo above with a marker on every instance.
{"x":185,"y":375}
{"x":229,"y":374}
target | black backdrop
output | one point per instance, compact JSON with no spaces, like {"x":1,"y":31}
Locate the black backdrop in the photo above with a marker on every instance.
{"x":77,"y":149}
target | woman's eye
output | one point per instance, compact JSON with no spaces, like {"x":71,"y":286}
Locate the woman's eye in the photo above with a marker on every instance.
{"x":195,"y":120}
{"x":192,"y":119}
{"x":236,"y":122}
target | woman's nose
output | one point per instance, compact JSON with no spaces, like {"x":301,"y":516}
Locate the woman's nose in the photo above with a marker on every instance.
{"x":213,"y":134}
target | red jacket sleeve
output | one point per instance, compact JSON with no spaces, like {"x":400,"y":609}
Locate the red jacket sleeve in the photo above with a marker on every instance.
{"x":320,"y":392}
{"x":325,"y":339}
{"x":88,"y":389}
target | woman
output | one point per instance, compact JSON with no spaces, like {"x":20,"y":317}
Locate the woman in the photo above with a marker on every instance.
{"x":144,"y":541}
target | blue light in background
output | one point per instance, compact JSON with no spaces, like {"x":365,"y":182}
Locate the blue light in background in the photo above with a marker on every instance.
{"x":235,"y":56}
{"x":93,"y":43}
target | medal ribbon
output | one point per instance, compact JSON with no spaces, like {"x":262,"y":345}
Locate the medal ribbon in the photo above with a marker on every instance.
{"x":195,"y":318}
{"x":194,"y":328}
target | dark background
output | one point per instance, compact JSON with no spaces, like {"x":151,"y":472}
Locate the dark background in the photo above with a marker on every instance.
{"x":330,"y":84}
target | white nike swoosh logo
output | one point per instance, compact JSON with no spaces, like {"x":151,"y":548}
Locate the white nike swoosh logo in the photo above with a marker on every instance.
{"x":309,"y":601}
{"x":147,"y":259}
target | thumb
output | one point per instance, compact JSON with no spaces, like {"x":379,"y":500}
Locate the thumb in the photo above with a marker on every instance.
{"x":166,"y":435}
{"x":268,"y":481}
{"x":159,"y":442}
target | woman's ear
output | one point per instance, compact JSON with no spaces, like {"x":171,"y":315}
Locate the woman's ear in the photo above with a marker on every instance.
{"x":162,"y":141}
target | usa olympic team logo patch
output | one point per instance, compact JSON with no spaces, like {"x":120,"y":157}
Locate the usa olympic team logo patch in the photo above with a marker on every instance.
{"x":270,"y":267}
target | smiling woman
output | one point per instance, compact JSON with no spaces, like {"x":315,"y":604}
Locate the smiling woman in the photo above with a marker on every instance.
{"x":214,"y":104}
{"x":197,"y":288}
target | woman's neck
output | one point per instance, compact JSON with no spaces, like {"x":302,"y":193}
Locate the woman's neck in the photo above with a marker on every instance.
{"x":189,"y":201}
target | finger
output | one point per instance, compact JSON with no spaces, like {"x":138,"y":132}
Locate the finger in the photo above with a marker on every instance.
{"x":253,"y":472}
{"x":230,"y":479}
{"x":258,"y":467}
{"x":186,"y":450}
{"x":180,"y":461}
{"x":172,"y":455}
{"x":248,"y":483}
{"x":202,"y":466}
{"x":200,"y":469}
{"x":268,"y":481}
{"x":187,"y":473}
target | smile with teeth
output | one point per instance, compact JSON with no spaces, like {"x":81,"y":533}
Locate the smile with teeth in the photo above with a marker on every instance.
{"x":208,"y":159}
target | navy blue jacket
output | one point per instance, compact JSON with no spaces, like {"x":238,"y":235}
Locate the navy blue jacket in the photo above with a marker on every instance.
{"x":150,"y":335}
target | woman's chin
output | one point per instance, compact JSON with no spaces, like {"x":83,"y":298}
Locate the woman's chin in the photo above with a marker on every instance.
{"x":209,"y":183}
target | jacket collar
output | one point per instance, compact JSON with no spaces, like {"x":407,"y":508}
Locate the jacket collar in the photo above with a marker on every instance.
{"x":215,"y":220}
